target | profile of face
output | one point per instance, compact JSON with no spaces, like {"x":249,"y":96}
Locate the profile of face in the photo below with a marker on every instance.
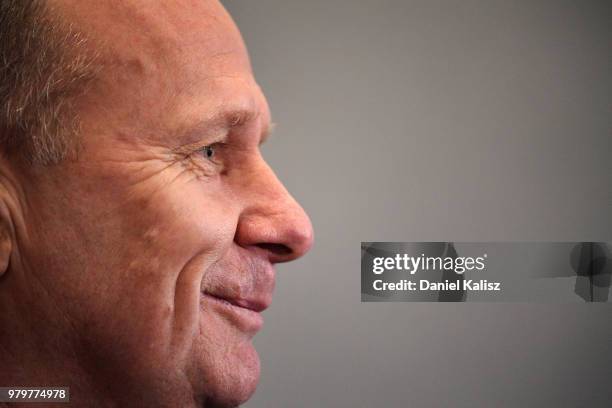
{"x":139,"y":270}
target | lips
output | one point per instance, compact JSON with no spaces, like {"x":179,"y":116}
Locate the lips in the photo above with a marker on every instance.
{"x":247,"y":319}
{"x":242,"y":279}
{"x":255,"y":305}
{"x":238,"y":288}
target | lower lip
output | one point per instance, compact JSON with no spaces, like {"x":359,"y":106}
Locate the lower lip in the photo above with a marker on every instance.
{"x":245,"y":319}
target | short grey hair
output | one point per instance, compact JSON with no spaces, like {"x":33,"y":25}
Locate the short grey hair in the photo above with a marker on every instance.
{"x":44,"y":68}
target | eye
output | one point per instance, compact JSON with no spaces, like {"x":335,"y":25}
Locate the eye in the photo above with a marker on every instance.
{"x":208,"y":152}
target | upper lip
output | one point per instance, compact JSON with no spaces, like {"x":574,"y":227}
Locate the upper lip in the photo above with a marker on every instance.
{"x":248,"y":285}
{"x":244,"y":279}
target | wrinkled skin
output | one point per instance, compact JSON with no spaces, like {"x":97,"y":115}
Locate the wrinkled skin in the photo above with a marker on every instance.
{"x":135,"y":273}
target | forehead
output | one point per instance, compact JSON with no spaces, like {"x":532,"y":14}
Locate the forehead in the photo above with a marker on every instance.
{"x":150,"y":24}
{"x":166,"y":63}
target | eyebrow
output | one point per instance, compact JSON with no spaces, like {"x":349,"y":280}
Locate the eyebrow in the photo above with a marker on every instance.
{"x":225,"y":121}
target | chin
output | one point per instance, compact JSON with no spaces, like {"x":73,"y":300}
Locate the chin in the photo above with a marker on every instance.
{"x":234,"y":378}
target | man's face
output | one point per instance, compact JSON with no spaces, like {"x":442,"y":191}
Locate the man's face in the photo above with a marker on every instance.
{"x":153,"y":252}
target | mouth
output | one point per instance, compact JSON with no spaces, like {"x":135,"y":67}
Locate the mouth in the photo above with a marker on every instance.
{"x":238,"y":288}
{"x":245,"y":314}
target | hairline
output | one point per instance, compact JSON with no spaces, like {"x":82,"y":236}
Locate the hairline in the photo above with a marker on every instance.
{"x":46,"y":71}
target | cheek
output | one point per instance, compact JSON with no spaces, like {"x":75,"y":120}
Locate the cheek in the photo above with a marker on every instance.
{"x":183,"y":224}
{"x":164,"y":243}
{"x":169,"y":240}
{"x":126,"y":261}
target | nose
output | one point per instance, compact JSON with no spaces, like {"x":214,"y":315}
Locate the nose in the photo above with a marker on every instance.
{"x":272,"y":220}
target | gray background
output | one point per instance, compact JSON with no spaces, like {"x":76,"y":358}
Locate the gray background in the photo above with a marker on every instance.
{"x":427,"y":121}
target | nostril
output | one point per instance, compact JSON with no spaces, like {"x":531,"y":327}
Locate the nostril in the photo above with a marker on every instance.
{"x":277,"y":249}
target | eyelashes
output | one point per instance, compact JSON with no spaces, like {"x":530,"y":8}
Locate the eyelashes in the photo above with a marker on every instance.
{"x":207,"y":160}
{"x":218,"y":158}
{"x":208,"y":152}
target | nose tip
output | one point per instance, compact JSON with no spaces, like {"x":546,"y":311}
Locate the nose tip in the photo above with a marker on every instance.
{"x":284,"y":236}
{"x":278,"y":225}
{"x":299,"y":238}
